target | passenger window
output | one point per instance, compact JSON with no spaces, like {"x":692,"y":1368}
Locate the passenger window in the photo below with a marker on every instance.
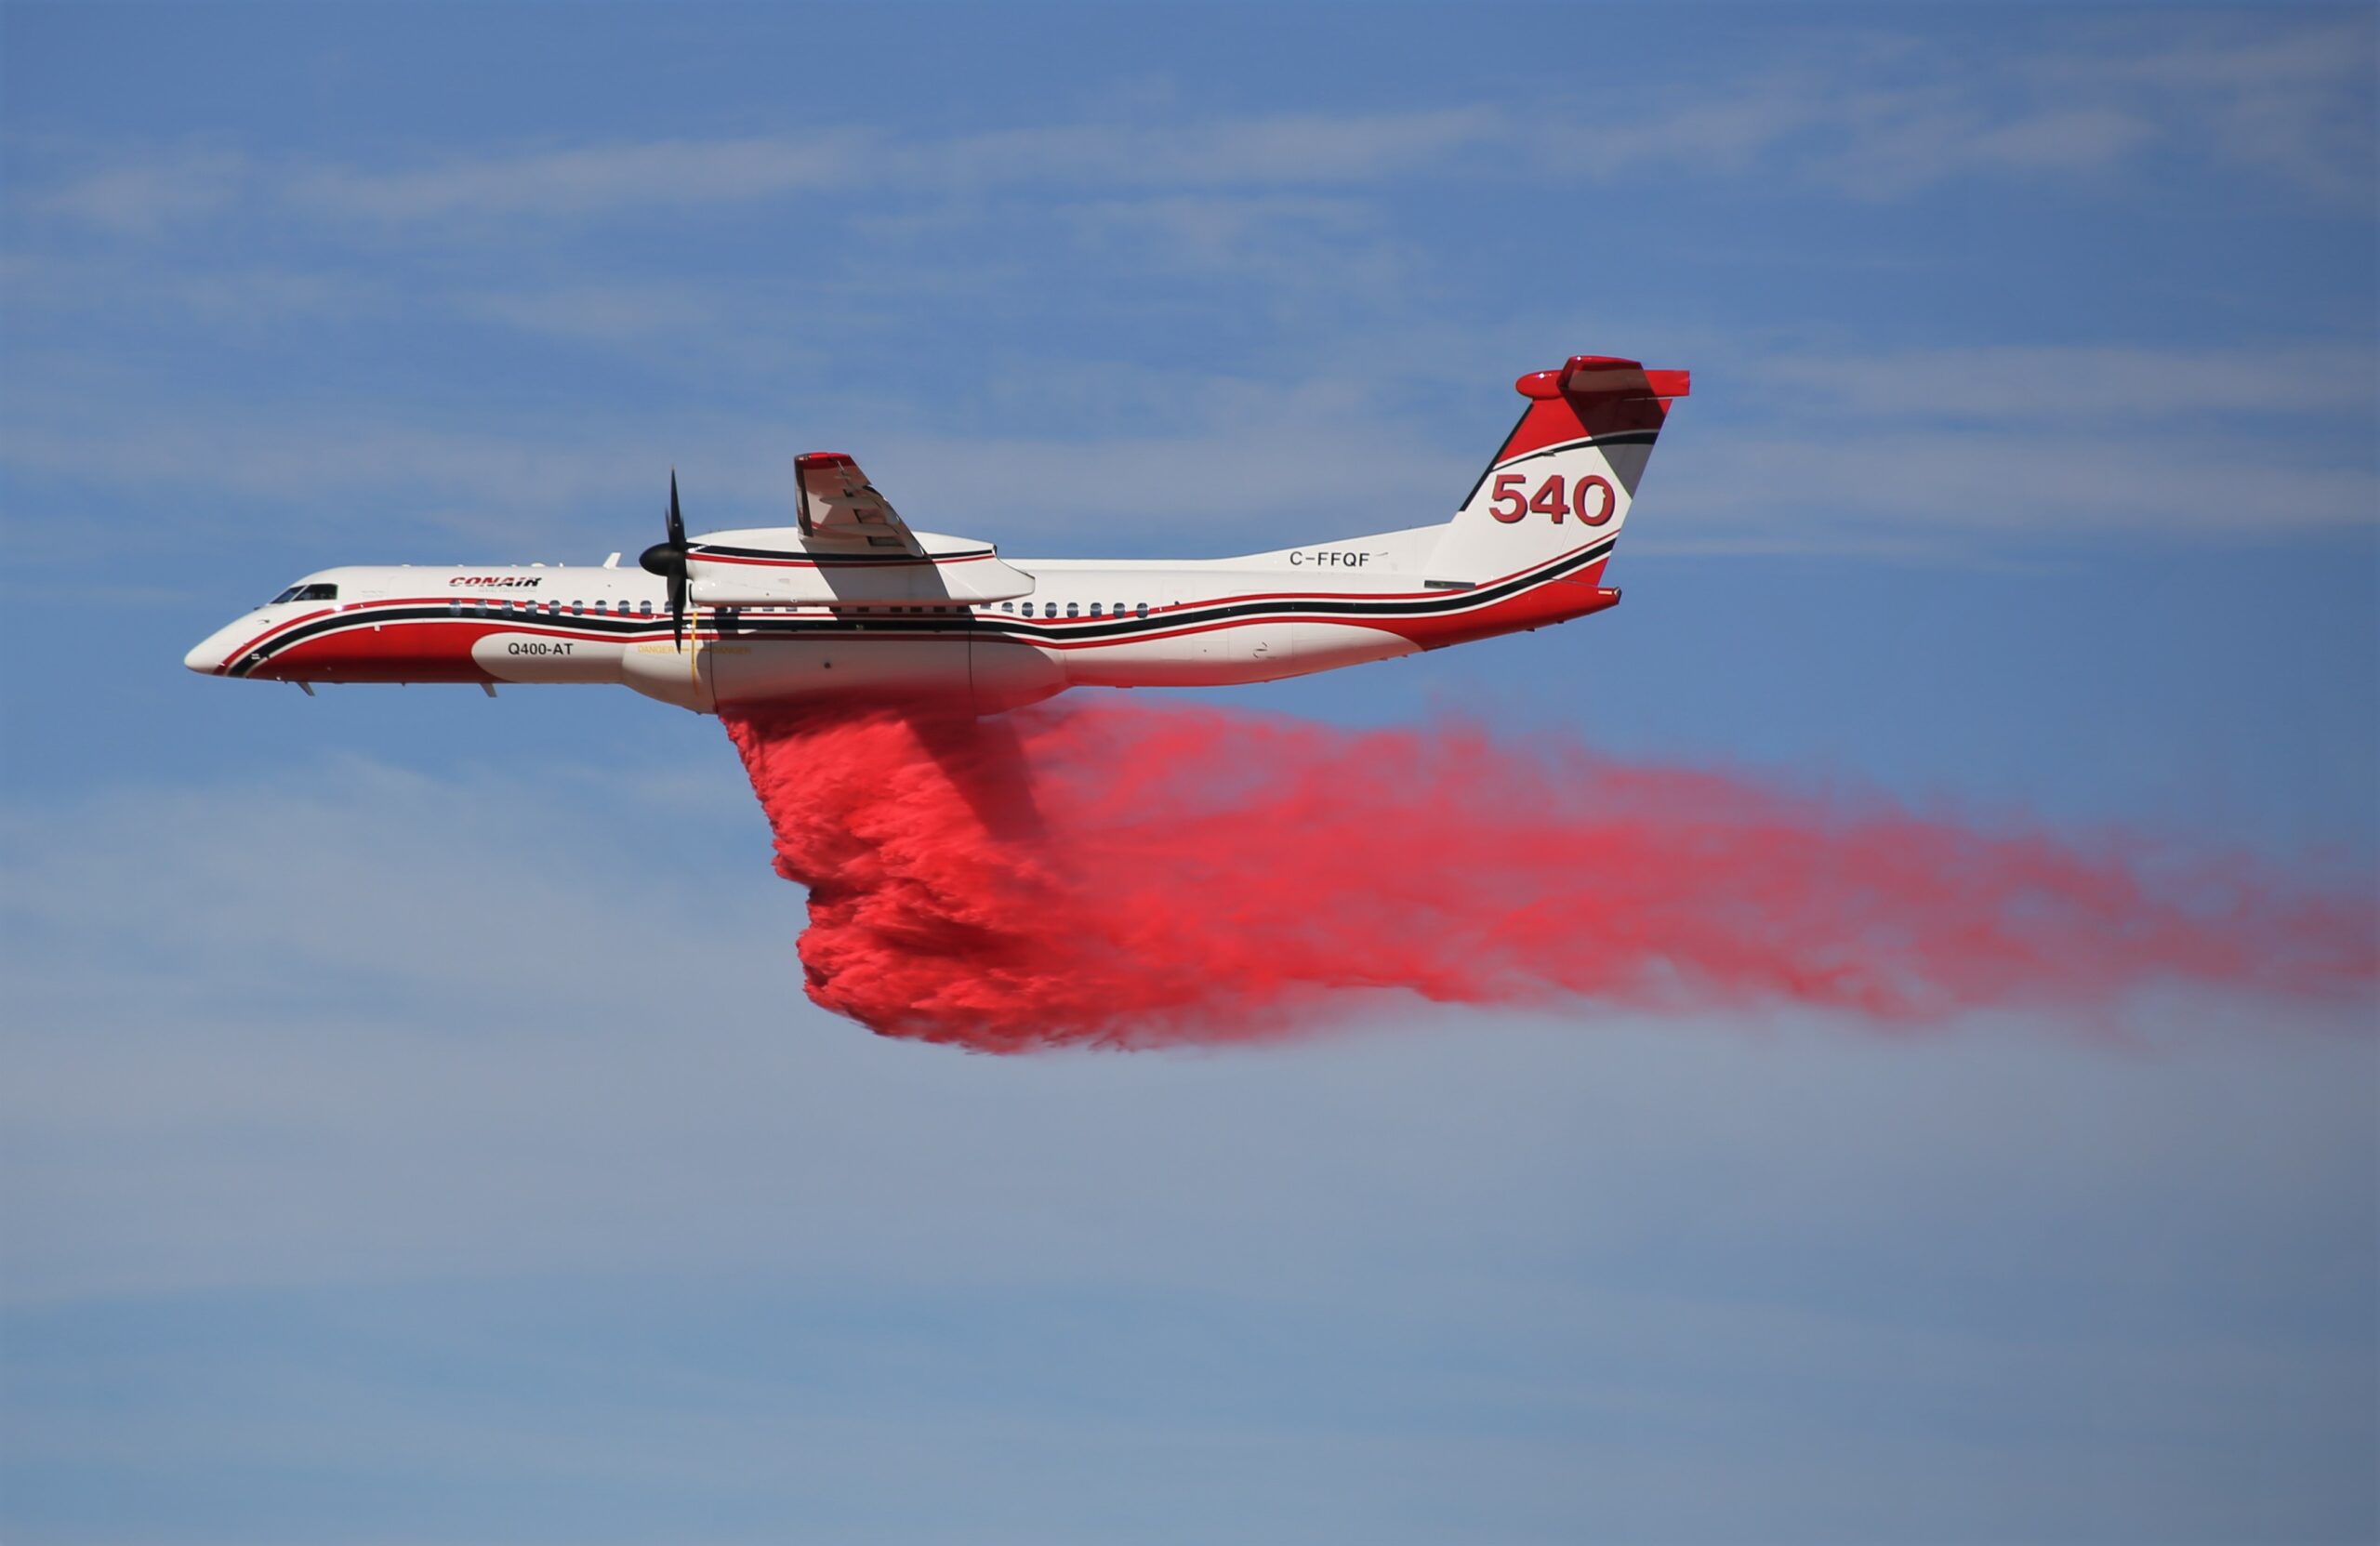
{"x":1008,"y":606}
{"x":487,"y":608}
{"x":1074,"y":608}
{"x":1142,"y":610}
{"x":1094,"y":609}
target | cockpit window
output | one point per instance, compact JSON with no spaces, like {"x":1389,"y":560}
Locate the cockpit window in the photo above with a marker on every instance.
{"x":306,"y":593}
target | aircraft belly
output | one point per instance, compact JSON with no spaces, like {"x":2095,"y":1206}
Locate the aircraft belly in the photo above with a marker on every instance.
{"x":1225,"y":657}
{"x":1325,"y":646}
{"x":1182,"y":660}
{"x":752,"y":671}
{"x":1007,"y":675}
{"x":660,"y":668}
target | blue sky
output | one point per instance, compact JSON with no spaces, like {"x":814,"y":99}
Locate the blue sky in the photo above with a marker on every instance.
{"x":414,"y":1127}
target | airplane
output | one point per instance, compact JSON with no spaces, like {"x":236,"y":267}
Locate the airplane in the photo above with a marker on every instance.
{"x":850,"y":606}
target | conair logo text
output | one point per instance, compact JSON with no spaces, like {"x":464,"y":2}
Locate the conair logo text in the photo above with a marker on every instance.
{"x":515,"y":582}
{"x":1591,"y":499}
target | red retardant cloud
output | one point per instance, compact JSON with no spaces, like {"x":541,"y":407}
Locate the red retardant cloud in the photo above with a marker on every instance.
{"x":1130,"y":877}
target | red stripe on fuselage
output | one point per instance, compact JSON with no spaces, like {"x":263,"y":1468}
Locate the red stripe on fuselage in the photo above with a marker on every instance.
{"x":1551,"y":602}
{"x":274,"y":631}
{"x":428,"y":649}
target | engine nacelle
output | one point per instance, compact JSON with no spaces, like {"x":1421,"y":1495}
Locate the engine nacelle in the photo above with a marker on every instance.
{"x":783,"y":566}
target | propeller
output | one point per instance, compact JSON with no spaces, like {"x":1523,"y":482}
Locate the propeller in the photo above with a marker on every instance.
{"x":668,"y":561}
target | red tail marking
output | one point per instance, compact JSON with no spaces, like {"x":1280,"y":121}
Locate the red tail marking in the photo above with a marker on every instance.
{"x":1591,"y":394}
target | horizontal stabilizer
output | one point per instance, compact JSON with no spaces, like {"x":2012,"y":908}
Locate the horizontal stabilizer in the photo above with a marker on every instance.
{"x":1603,"y":378}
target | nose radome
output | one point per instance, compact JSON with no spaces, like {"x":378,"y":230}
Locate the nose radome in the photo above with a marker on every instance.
{"x":208,"y":656}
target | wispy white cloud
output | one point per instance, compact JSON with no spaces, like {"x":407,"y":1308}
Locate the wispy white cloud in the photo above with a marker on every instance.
{"x":1234,"y":462}
{"x":1270,"y":150}
{"x":1879,"y":117}
{"x":606,"y":314}
{"x":1888,"y":143}
{"x":1265,"y":151}
{"x":2076,"y":382}
{"x":1933,"y":452}
{"x":1867,"y":116}
{"x":2265,"y":94}
{"x":330,"y":469}
{"x":142,"y":193}
{"x":239,"y":300}
{"x":1917,"y":453}
{"x":579,"y":180}
{"x":1818,"y":130}
{"x":1941,"y":495}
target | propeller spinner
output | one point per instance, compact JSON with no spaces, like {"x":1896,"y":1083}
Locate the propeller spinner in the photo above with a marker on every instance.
{"x":668,"y":561}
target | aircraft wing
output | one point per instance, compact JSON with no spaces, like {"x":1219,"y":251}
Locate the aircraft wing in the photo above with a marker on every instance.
{"x":837,"y":502}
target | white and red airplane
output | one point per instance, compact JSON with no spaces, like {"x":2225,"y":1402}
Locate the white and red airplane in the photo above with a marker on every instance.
{"x":852,"y":606}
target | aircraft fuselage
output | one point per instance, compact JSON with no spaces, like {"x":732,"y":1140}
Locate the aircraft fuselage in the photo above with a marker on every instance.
{"x":1113,"y":625}
{"x":852,"y":606}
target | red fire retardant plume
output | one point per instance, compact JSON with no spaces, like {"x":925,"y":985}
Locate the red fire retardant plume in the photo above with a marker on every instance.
{"x":1132,"y":876}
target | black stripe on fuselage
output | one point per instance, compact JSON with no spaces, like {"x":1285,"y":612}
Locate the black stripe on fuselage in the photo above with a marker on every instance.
{"x":1192,"y":615}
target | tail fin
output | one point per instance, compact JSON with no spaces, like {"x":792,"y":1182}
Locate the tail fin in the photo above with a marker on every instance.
{"x":1564,"y":479}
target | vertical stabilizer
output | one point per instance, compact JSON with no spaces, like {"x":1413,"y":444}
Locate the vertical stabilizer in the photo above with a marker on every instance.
{"x":1564,"y":479}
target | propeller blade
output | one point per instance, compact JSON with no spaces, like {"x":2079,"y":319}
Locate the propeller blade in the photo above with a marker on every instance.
{"x":667,"y":558}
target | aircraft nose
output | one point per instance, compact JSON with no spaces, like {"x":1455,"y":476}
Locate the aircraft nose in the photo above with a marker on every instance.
{"x":208,"y":656}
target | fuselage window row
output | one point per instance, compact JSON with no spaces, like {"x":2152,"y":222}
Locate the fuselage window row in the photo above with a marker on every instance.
{"x":486,"y":606}
{"x":1074,"y":608}
{"x":500,"y":607}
